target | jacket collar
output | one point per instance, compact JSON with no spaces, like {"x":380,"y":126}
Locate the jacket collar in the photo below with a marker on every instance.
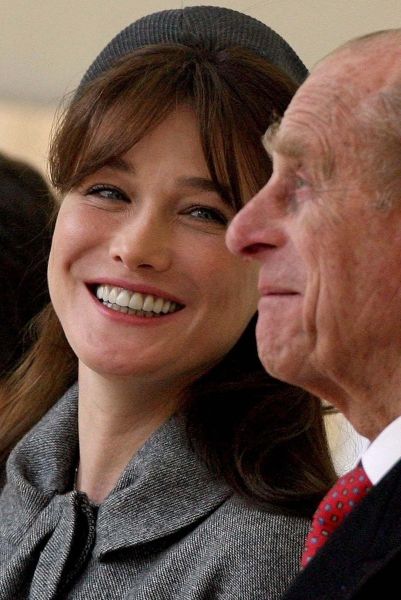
{"x":164,"y":488}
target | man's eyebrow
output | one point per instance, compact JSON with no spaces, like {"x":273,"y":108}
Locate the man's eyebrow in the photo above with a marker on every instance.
{"x":289,"y":146}
{"x":292,"y":146}
{"x":286,"y":144}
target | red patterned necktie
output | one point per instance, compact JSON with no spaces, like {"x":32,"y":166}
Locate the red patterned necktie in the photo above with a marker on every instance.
{"x":335,"y":506}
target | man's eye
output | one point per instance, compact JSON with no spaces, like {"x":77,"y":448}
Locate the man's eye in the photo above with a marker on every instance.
{"x":206,"y":213}
{"x":300,"y":183}
{"x":107,"y":192}
{"x":298,"y":192}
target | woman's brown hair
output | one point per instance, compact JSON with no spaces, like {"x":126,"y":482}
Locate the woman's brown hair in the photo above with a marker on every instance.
{"x":264,"y":436}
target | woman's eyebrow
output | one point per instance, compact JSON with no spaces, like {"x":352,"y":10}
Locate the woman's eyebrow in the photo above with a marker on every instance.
{"x":203,"y":184}
{"x":117,"y":163}
{"x":199,"y":184}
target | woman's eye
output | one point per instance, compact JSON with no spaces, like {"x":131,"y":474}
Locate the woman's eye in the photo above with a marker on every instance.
{"x":206,"y":213}
{"x":107,"y":192}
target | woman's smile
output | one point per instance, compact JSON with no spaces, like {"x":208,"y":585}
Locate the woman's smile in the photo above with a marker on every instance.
{"x":139,"y":301}
{"x":135,"y":303}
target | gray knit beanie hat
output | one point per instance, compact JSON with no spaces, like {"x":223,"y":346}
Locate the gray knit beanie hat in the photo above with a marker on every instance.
{"x":210,"y":27}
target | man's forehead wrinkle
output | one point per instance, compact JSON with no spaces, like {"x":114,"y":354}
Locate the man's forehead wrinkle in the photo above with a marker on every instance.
{"x":303,"y":136}
{"x":326,"y":114}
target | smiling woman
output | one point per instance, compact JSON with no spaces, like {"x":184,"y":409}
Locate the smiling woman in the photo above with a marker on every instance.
{"x":171,"y":465}
{"x":131,"y":233}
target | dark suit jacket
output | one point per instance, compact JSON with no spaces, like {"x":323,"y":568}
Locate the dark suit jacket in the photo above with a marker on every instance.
{"x":362,"y":559}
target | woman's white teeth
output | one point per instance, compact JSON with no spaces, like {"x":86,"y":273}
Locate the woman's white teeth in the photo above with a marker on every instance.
{"x":148,"y":304}
{"x":123,"y":298}
{"x":136,"y":303}
{"x":113,"y":296}
{"x":166,"y":307}
{"x":158,"y":305}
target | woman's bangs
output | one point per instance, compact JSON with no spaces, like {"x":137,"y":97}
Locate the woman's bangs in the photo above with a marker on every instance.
{"x":112,"y":131}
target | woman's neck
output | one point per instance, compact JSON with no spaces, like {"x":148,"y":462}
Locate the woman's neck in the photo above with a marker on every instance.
{"x":115,"y":418}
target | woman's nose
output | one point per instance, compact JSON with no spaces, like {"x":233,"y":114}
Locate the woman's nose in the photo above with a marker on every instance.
{"x":142,"y":242}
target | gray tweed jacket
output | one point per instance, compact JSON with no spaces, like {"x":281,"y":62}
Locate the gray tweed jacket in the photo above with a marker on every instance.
{"x":168,"y":530}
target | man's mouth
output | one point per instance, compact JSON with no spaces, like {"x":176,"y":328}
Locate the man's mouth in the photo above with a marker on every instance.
{"x":269,"y":290}
{"x":135,"y":303}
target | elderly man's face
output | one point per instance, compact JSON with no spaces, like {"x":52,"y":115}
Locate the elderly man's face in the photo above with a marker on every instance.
{"x":330,"y":282}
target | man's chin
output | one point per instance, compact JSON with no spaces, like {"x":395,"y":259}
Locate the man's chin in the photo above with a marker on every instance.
{"x":274,"y":364}
{"x":280,"y":360}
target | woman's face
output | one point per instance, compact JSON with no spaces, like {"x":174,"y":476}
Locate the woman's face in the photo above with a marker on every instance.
{"x":139,"y":273}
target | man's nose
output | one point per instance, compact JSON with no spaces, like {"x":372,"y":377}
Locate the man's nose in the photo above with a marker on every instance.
{"x":256,"y":228}
{"x":143,"y":242}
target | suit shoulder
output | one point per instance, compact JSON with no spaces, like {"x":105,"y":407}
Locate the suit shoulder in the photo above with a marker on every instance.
{"x":247,"y":514}
{"x":254,"y":554}
{"x":245,"y":526}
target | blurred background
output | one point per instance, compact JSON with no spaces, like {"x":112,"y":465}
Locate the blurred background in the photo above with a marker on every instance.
{"x":46,"y":46}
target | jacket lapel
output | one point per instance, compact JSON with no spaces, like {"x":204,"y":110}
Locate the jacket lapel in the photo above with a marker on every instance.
{"x":163,"y":489}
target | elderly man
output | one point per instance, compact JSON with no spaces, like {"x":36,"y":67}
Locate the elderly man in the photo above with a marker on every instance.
{"x":326,"y":229}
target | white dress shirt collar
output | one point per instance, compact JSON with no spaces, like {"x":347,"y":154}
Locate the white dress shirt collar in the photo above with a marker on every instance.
{"x":382,"y":454}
